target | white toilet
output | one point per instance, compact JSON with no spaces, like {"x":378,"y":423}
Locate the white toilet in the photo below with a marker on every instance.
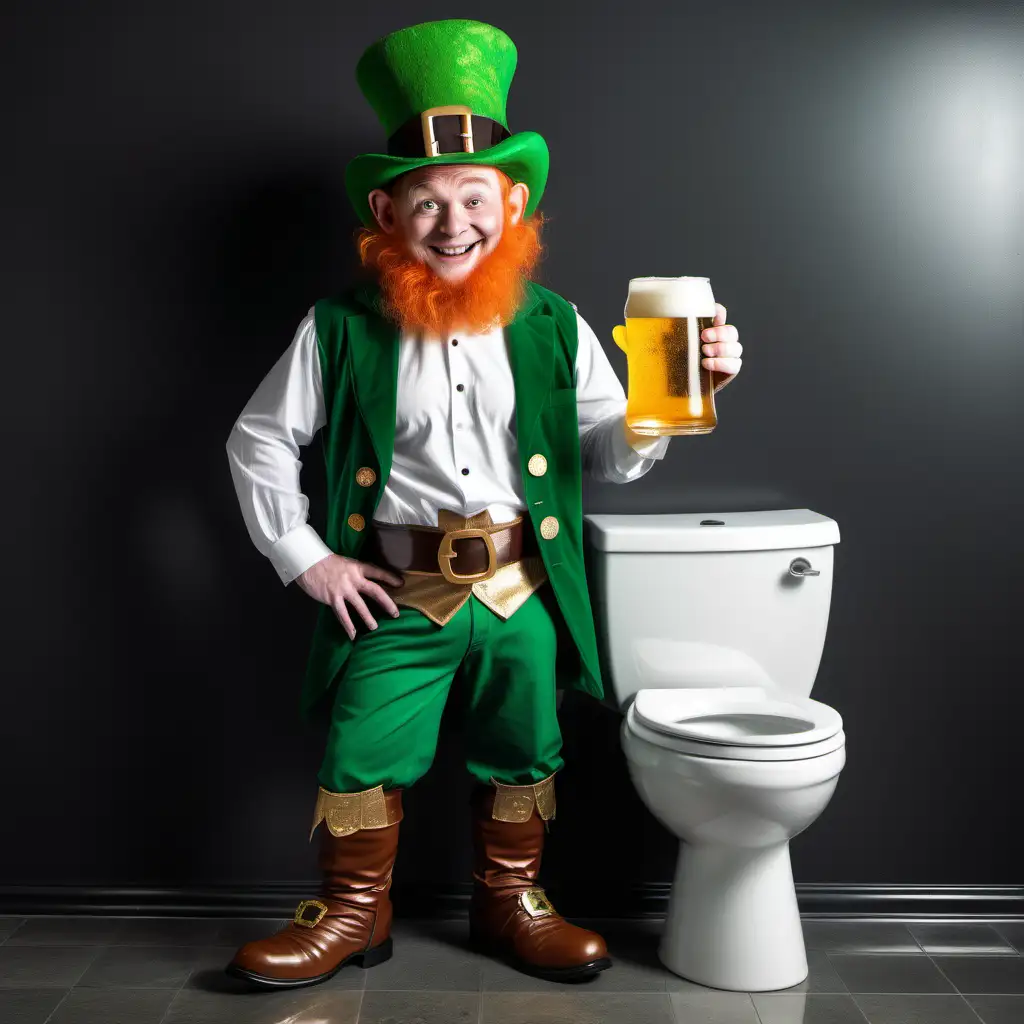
{"x":712,"y":628}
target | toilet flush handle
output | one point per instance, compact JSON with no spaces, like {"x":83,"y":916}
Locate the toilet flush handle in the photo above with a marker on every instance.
{"x":801,"y":567}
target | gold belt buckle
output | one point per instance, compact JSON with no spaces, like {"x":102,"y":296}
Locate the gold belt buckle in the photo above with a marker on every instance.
{"x":445,"y":554}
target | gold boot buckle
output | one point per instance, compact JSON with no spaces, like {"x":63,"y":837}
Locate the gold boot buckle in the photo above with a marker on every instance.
{"x":310,"y":922}
{"x":535,"y":903}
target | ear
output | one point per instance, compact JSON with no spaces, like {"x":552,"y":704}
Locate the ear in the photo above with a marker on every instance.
{"x":518,"y":198}
{"x":383,"y":209}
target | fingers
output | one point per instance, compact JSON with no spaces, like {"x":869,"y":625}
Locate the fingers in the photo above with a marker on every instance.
{"x":380,"y":595}
{"x":360,"y":606}
{"x":719,"y":315}
{"x":359,"y":581}
{"x":381,"y":574}
{"x":341,"y":611}
{"x":725,"y":333}
{"x":729,"y":366}
{"x":722,"y":346}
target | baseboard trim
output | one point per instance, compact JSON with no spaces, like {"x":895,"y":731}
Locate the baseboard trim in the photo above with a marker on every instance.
{"x":962,"y":902}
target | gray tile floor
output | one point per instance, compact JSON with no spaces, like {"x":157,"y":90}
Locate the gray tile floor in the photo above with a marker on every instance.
{"x":85,"y":970}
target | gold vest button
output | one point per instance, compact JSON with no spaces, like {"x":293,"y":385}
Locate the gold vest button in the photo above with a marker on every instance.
{"x":537,"y":465}
{"x":365,"y":477}
{"x":356,"y":521}
{"x":549,"y":527}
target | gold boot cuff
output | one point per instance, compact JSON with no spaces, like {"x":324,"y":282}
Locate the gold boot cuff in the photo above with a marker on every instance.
{"x":346,"y":813}
{"x":516,"y":803}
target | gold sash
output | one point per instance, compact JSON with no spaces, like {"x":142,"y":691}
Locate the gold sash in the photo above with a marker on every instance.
{"x":507,"y":590}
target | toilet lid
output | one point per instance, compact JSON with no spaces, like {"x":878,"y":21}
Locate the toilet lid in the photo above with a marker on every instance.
{"x":737,"y":716}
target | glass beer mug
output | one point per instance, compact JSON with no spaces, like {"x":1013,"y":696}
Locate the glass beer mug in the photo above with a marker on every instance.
{"x":669,"y":391}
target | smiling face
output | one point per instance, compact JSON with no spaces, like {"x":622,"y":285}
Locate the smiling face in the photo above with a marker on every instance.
{"x":451,"y":216}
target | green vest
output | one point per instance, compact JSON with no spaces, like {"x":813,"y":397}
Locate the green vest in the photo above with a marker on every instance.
{"x":358,"y":350}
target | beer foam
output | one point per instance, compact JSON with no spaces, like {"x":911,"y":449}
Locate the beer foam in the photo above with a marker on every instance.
{"x":670,"y":297}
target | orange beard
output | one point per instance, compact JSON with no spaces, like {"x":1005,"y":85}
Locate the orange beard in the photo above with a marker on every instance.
{"x":418,"y":299}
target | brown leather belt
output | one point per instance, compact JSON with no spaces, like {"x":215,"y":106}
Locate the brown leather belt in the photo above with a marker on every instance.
{"x":460,"y":556}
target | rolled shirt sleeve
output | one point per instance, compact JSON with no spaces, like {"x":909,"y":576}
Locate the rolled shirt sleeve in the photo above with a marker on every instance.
{"x":283,"y":415}
{"x":609,"y":450}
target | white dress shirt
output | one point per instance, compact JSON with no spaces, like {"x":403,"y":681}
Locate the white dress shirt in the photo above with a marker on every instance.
{"x":441,"y":429}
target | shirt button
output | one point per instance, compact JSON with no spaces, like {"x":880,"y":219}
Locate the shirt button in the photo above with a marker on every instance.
{"x":356,"y":521}
{"x":455,"y":341}
{"x":549,"y":527}
{"x":465,"y":472}
{"x":537,"y":465}
{"x":460,"y":387}
{"x":458,"y":426}
{"x":365,"y":477}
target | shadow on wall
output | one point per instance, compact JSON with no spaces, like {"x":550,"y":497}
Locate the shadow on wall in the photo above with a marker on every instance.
{"x":210,"y":650}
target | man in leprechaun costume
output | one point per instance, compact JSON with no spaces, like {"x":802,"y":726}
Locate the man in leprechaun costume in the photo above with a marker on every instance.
{"x":457,"y":403}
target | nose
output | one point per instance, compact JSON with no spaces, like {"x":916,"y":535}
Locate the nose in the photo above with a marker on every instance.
{"x":454,"y":220}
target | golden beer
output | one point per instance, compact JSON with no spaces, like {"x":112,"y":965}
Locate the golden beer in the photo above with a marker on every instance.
{"x":669,"y":391}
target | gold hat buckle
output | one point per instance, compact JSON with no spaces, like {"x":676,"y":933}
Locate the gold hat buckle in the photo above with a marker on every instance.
{"x":430,"y":143}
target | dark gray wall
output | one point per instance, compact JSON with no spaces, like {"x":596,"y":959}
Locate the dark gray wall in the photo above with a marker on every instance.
{"x":848,"y":177}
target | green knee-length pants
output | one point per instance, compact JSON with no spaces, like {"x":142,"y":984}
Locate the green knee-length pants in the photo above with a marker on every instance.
{"x":393,"y":688}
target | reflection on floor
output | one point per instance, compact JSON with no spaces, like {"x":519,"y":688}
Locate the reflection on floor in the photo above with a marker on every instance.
{"x":93,"y":970}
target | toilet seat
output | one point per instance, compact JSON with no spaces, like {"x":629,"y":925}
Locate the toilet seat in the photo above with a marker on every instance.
{"x":740,"y":722}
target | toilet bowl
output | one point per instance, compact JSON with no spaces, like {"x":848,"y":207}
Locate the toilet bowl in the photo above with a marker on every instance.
{"x":733,"y":921}
{"x":712,"y":640}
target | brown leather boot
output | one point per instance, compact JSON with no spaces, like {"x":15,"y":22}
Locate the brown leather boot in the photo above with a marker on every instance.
{"x":509,"y":913}
{"x":350,"y":921}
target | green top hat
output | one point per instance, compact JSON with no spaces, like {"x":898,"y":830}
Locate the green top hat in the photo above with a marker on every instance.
{"x":440,"y":90}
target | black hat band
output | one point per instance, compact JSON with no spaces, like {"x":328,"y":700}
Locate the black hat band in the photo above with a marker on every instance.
{"x":446,"y":130}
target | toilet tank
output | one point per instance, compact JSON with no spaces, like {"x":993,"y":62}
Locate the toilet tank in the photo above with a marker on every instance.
{"x":709,"y":599}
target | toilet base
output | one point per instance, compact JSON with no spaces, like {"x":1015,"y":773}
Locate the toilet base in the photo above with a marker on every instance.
{"x":733,"y":921}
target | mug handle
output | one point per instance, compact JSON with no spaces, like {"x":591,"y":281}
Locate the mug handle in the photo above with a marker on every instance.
{"x":619,"y":334}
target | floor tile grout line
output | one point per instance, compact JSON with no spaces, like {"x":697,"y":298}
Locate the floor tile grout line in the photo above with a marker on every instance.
{"x":848,"y":994}
{"x":770,"y":994}
{"x":60,"y":1003}
{"x":860,"y":1009}
{"x":675,"y":1016}
{"x":963,"y":995}
{"x":917,"y":941}
{"x":865,"y":951}
{"x":936,"y":995}
{"x":97,"y":952}
{"x":72,"y":986}
{"x":911,"y":995}
{"x":15,"y":932}
{"x":757,"y":1012}
{"x":971,"y":1008}
{"x":1006,"y":938}
{"x":889,"y":992}
{"x":956,"y":988}
{"x":181,"y":987}
{"x":167,"y":1008}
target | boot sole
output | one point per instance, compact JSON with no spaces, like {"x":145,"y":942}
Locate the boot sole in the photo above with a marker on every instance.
{"x":577,"y":972}
{"x":580,"y":972}
{"x":366,"y":959}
